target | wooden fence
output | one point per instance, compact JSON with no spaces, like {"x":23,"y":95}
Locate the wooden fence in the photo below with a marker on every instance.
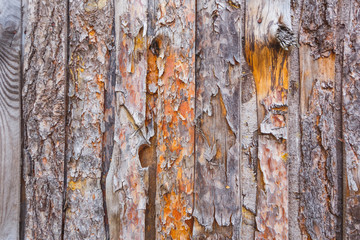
{"x":179,"y":119}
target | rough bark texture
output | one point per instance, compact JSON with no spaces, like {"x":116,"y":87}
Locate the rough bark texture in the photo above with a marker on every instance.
{"x":10,"y":117}
{"x":89,"y":43}
{"x":267,"y":37}
{"x":127,"y":181}
{"x":319,"y":203}
{"x":351,"y":124}
{"x":175,"y":36}
{"x":169,"y":119}
{"x":43,"y":98}
{"x":218,"y":75}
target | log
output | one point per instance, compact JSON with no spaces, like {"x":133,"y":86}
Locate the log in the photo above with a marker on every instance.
{"x":127,"y":181}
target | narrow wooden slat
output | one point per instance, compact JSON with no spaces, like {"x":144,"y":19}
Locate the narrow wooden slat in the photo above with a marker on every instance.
{"x":294,"y":129}
{"x":268,"y":27}
{"x":127,"y":181}
{"x":44,"y":117}
{"x":217,"y":191}
{"x":89,"y":43}
{"x":249,"y":154}
{"x":10,"y":38}
{"x":319,"y":201}
{"x":351,"y":124}
{"x":175,"y":36}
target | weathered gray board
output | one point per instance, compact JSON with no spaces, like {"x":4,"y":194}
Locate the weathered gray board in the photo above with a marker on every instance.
{"x":10,"y":147}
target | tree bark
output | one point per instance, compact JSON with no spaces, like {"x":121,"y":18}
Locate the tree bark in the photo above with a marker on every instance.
{"x":90,"y":25}
{"x":43,"y":98}
{"x":168,"y":119}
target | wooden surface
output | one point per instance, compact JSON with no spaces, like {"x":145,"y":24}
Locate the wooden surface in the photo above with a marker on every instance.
{"x":351,"y":125}
{"x":43,"y":98}
{"x":90,"y":26}
{"x":154,"y":119}
{"x":269,"y":64}
{"x":217,"y":141}
{"x":10,"y":117}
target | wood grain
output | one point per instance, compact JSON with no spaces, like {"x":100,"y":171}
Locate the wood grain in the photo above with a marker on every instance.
{"x":127,"y":182}
{"x":265,"y":22}
{"x":10,"y":117}
{"x":217,"y":142}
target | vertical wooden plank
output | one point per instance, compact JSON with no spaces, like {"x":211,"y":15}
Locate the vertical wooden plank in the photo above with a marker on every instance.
{"x":127,"y":181}
{"x":89,"y":42}
{"x":268,"y":36}
{"x":249,"y":154}
{"x":10,"y":117}
{"x":217,"y":158}
{"x":109,"y":120}
{"x":44,"y":117}
{"x":351,"y":124}
{"x":320,"y":198}
{"x":294,"y":131}
{"x":175,"y":36}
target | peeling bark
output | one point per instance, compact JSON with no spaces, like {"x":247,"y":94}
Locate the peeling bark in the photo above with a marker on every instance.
{"x":320,"y":190}
{"x":175,"y":34}
{"x":43,"y":100}
{"x":268,"y":35}
{"x":351,"y":124}
{"x":183,"y":120}
{"x":89,"y":43}
{"x":218,"y":75}
{"x":127,"y":182}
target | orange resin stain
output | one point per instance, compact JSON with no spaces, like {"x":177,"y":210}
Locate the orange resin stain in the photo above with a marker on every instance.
{"x":269,"y":68}
{"x":270,"y":71}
